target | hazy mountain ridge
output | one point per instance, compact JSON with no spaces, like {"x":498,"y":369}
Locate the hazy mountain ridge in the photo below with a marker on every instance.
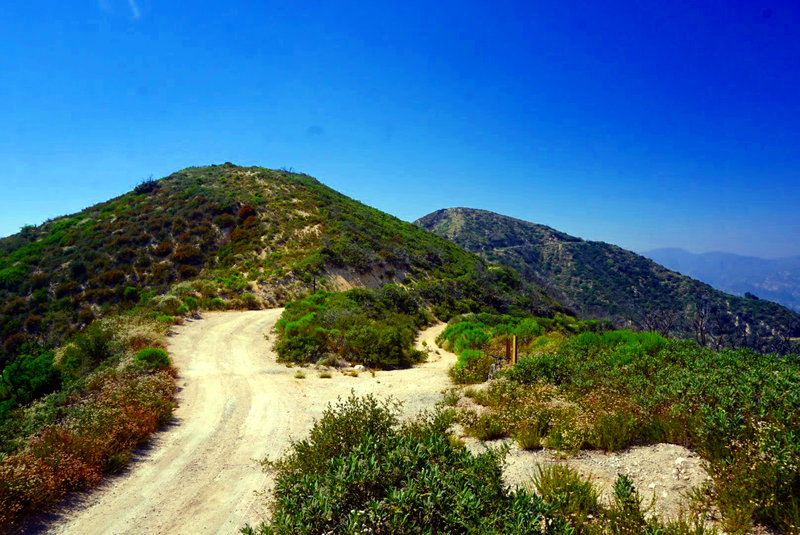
{"x":774,"y":279}
{"x":602,"y":280}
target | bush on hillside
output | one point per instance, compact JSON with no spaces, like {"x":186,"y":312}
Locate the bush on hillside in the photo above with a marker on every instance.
{"x":371,"y":327}
{"x":358,"y":472}
{"x":154,"y":357}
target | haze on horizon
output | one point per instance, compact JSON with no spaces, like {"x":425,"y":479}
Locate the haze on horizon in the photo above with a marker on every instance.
{"x":646,"y":126}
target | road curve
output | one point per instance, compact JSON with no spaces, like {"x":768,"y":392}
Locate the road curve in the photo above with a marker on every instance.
{"x":236,"y":404}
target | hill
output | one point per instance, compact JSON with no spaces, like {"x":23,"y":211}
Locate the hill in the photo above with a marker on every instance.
{"x":600,"y":280}
{"x":249,"y":236}
{"x":228,"y":237}
{"x":87,"y":300}
{"x":774,"y":279}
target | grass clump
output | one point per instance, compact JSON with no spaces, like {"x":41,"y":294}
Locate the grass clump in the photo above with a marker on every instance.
{"x":573,"y":498}
{"x":154,"y":357}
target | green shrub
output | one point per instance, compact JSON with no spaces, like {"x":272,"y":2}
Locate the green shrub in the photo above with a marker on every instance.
{"x":613,"y":432}
{"x":472,"y":367}
{"x":216,"y":303}
{"x":375,"y":328}
{"x":25,"y":378}
{"x":573,"y":498}
{"x":530,"y":433}
{"x":551,"y":368}
{"x":95,"y":344}
{"x":487,"y":426}
{"x":359,"y":472}
{"x":626,"y":515}
{"x":191,"y":303}
{"x":167,"y":304}
{"x":154,"y":357}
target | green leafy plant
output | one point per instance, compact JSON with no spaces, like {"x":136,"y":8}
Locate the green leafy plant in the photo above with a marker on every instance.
{"x":154,"y":357}
{"x":359,"y":470}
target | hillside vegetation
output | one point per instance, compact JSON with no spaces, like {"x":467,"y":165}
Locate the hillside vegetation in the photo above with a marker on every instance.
{"x":216,"y":237}
{"x":598,"y":280}
{"x":75,"y":387}
{"x":572,"y":390}
{"x":87,"y":300}
{"x":255,"y":236}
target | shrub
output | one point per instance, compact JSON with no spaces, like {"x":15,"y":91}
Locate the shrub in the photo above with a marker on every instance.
{"x":131,"y":294}
{"x":548,"y":367}
{"x":167,"y":304}
{"x":472,"y":367}
{"x":146,"y":186}
{"x":486,"y":426}
{"x":187,"y":254}
{"x":216,"y":303}
{"x":250,"y":301}
{"x":191,"y":303}
{"x":530,"y":433}
{"x":371,"y":327}
{"x":154,"y":358}
{"x":246,"y":211}
{"x":358,"y":472}
{"x":187,"y":272}
{"x":613,"y":432}
{"x":573,"y":498}
{"x":225,"y":221}
{"x":163,"y":249}
{"x":95,"y":344}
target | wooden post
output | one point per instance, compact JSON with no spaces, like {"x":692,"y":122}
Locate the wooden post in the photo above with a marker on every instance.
{"x":508,"y":349}
{"x":514,"y":358}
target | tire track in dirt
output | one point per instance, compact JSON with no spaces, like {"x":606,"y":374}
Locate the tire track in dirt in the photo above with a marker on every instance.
{"x":236,"y":404}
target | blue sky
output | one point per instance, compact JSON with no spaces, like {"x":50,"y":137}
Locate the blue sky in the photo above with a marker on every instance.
{"x":645,"y":124}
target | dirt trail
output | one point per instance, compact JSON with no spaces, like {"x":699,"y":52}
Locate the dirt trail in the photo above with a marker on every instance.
{"x":235,"y":405}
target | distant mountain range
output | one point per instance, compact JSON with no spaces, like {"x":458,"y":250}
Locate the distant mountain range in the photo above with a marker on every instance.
{"x":601,"y":280}
{"x":775,"y":279}
{"x":249,"y":237}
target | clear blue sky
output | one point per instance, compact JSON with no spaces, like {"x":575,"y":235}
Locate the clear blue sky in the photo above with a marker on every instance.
{"x":645,"y":124}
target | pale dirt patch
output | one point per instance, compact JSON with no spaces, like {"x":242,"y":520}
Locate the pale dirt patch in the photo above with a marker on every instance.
{"x":236,"y":404}
{"x":343,"y":279}
{"x":662,"y":473}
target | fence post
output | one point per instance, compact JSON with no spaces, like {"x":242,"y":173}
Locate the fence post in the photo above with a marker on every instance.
{"x":514,"y":358}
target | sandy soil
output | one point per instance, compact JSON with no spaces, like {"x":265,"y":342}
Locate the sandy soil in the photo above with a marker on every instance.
{"x":662,"y":473}
{"x":236,"y":405}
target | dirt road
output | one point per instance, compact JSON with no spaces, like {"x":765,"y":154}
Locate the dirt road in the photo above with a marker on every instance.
{"x":235,"y":405}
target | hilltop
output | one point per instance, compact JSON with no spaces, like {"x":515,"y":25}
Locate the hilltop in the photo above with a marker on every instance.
{"x":601,"y":280}
{"x":243,"y":237}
